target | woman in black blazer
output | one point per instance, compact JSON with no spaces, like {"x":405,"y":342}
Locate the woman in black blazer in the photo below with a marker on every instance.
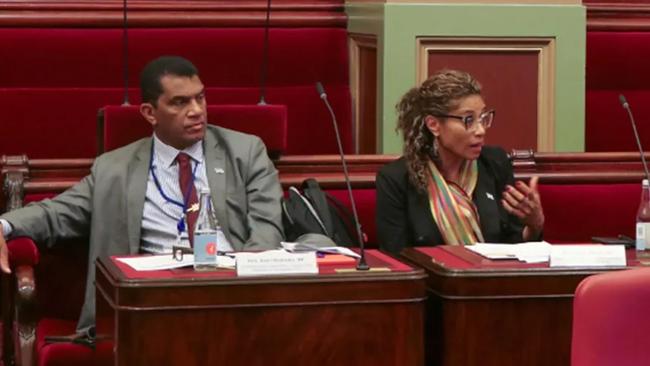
{"x":448,"y":188}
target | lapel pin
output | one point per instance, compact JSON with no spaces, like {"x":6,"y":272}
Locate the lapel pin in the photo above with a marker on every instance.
{"x":489,"y":195}
{"x":219,"y":170}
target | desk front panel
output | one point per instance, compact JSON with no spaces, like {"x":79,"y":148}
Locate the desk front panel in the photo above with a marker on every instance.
{"x":484,"y":312}
{"x":374,"y":318}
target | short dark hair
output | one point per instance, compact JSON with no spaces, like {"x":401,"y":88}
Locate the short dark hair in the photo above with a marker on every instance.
{"x":150,"y":87}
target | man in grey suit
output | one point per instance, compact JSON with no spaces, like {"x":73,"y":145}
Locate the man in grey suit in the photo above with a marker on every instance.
{"x":132,"y":201}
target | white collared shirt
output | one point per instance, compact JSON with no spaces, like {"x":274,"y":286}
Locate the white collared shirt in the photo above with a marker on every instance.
{"x":160,"y":217}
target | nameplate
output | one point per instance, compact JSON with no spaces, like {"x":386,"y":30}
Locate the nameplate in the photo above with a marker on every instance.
{"x":276,"y":263}
{"x":588,"y":256}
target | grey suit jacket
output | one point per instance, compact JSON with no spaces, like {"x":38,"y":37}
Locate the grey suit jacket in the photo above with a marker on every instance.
{"x":107,"y":205}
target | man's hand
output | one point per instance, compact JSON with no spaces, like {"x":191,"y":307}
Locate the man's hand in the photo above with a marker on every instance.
{"x":4,"y":255}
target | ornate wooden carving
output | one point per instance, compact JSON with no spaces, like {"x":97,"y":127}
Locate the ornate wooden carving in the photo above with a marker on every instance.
{"x":167,"y":13}
{"x":26,"y":315}
{"x":14,"y":170}
{"x":569,"y":168}
{"x":616,"y":15}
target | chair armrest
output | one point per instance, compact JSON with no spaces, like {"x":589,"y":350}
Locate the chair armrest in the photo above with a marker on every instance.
{"x":19,"y":303}
{"x":22,"y":252}
{"x":26,"y":317}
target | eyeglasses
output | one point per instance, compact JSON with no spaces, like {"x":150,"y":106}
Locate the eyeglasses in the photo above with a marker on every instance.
{"x":471,"y":123}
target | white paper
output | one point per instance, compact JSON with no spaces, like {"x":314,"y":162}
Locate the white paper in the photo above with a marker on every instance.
{"x":226,"y":261}
{"x":302,"y":247}
{"x":157,"y":262}
{"x":533,"y":252}
{"x":276,"y":262}
{"x":529,"y":252}
{"x":494,"y":251}
{"x":165,"y":261}
{"x":588,"y":256}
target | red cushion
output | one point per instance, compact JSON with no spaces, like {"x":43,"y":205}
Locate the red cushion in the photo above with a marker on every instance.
{"x":607,"y":125}
{"x":616,"y":64}
{"x":61,"y":274}
{"x":365,"y":203}
{"x":123,"y":125}
{"x":309,"y":126}
{"x":47,"y":123}
{"x":576,"y":212}
{"x":226,"y":57}
{"x":22,"y":251}
{"x":35,"y":197}
{"x":53,"y":113}
{"x":67,"y":354}
{"x":609,"y":326}
{"x":617,"y":60}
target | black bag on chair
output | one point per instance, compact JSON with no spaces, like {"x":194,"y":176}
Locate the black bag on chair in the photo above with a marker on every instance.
{"x":313,"y":211}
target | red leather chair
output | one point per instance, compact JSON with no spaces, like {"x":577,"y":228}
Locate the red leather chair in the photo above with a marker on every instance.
{"x":23,"y":256}
{"x":610,"y":322}
{"x":120,"y":125}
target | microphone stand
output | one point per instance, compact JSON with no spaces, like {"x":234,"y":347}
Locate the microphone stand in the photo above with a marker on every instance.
{"x":626,"y":106}
{"x":265,"y":55}
{"x":361,"y":265}
{"x":125,"y":54}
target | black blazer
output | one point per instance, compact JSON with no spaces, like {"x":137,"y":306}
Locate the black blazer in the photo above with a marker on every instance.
{"x":404,"y":216}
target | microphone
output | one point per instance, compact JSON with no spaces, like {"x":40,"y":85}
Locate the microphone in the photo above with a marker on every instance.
{"x":265,"y":55}
{"x":125,"y":54}
{"x":361,"y":265}
{"x":626,"y":106}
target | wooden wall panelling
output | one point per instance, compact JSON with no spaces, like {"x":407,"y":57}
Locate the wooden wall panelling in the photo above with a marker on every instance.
{"x":363,"y":84}
{"x":171,"y":13}
{"x":517,"y":75}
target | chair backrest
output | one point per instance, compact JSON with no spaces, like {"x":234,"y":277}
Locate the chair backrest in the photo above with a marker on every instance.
{"x":605,"y":209}
{"x":609,"y":319}
{"x":120,"y":125}
{"x":61,"y":75}
{"x":616,"y":63}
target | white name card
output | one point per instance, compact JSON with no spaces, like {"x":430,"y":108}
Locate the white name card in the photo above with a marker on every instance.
{"x":588,"y":256}
{"x":276,"y":263}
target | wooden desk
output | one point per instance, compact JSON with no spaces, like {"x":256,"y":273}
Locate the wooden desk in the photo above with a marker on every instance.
{"x":182,"y":317}
{"x":484,"y":312}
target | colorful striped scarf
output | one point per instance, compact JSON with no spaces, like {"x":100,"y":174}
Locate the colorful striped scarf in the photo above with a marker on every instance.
{"x":452,"y":207}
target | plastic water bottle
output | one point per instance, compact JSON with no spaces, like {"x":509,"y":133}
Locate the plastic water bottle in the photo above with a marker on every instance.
{"x":205,"y":234}
{"x":643,"y":220}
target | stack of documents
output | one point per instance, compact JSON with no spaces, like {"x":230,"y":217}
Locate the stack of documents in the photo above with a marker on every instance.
{"x":529,"y":252}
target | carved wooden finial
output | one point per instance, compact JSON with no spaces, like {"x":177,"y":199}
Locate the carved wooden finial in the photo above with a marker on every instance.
{"x":14,"y":170}
{"x":523,"y":159}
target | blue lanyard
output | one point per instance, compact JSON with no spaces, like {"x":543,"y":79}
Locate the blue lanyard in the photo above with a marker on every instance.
{"x":183,"y":205}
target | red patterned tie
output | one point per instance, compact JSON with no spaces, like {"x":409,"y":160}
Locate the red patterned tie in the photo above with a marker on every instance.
{"x":185,"y":181}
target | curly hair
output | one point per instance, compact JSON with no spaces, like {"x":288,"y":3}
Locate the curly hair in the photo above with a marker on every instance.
{"x":437,"y":95}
